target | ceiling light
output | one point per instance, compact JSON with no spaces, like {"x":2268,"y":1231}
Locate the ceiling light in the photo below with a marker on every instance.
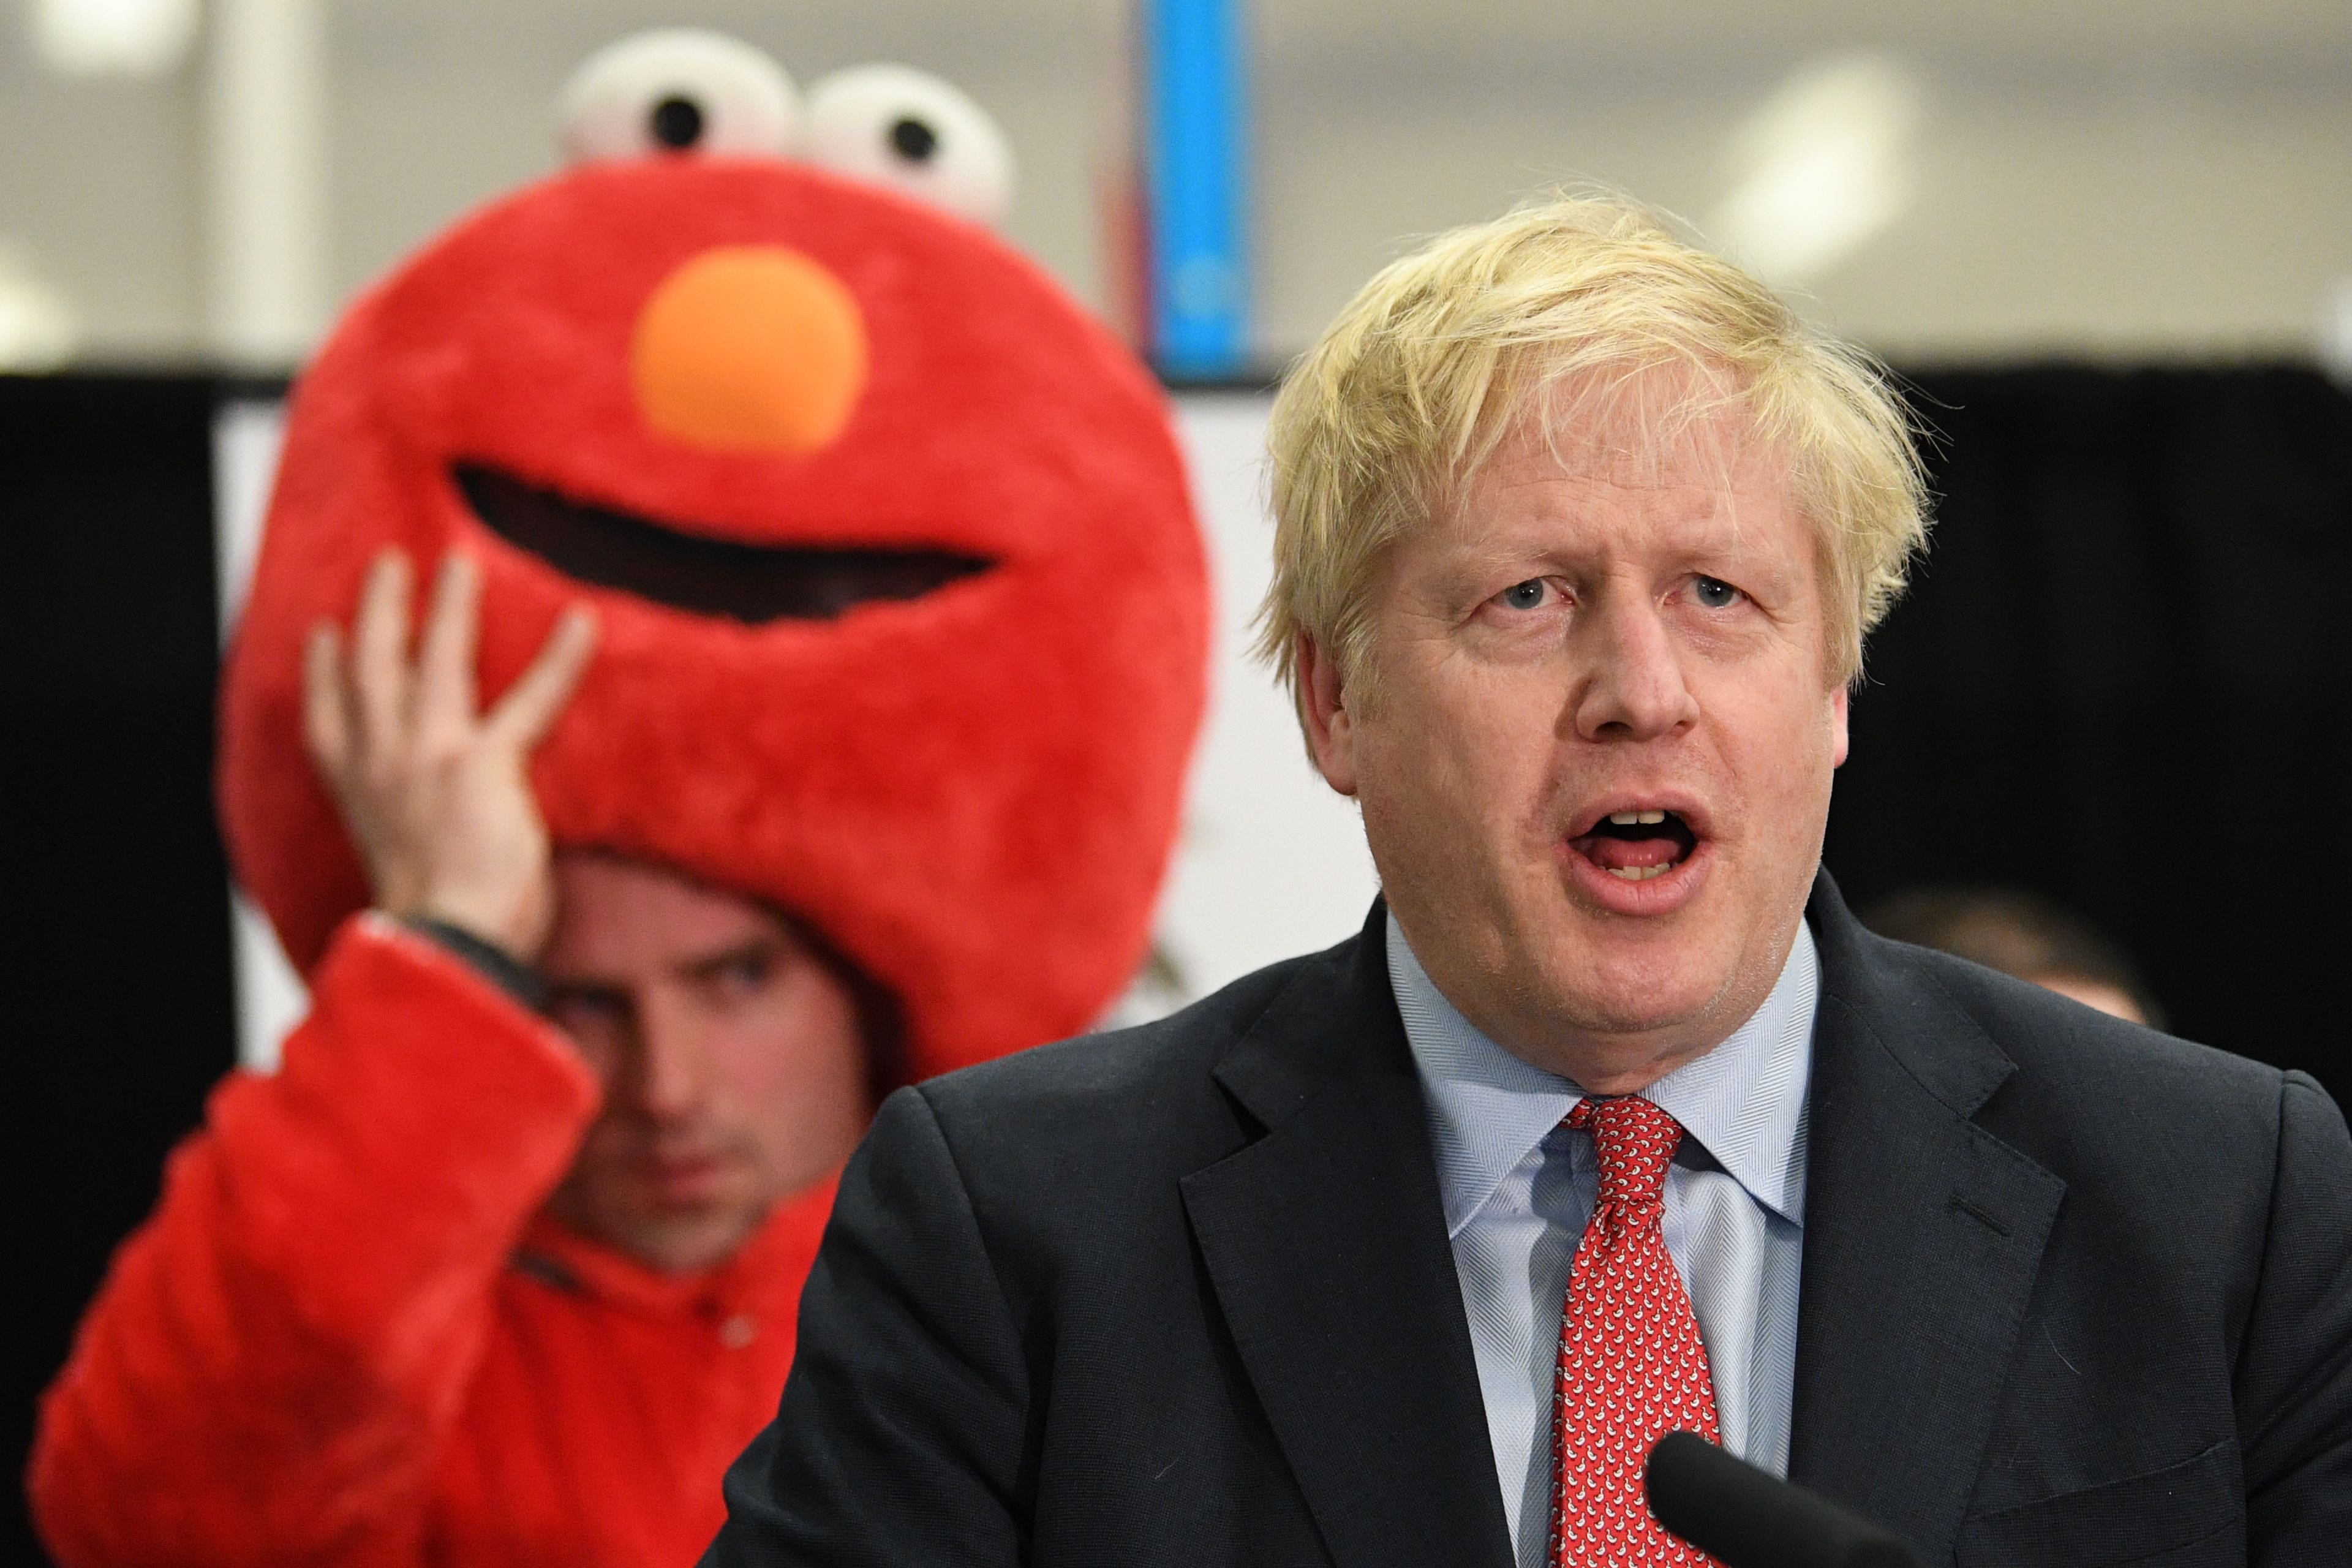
{"x":114,"y":37}
{"x":37,"y":330}
{"x":1824,"y":166}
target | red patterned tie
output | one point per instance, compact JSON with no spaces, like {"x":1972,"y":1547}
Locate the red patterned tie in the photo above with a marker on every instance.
{"x":1631,"y":1368}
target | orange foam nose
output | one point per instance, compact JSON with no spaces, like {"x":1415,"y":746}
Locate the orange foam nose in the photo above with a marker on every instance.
{"x":750,"y":348}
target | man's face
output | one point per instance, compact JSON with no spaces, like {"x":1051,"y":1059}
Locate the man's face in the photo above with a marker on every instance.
{"x":732,"y":1058}
{"x":1597,"y":767}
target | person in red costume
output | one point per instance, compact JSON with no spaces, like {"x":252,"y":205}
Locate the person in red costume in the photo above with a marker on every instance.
{"x":815,"y":645}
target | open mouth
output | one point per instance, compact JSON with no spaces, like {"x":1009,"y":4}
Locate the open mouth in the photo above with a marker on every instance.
{"x":1636,"y":846}
{"x":753,"y":583}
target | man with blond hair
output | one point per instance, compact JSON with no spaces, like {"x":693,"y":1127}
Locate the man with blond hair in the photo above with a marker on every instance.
{"x":1613,"y":1121}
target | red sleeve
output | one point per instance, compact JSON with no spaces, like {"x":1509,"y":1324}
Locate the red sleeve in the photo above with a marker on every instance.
{"x":278,"y":1352}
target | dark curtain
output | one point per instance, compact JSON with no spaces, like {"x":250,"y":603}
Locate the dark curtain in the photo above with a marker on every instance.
{"x":118,"y":978}
{"x":2122,"y":681}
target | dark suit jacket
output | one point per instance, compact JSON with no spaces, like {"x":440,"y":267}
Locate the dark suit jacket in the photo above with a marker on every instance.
{"x":2074,"y":1294}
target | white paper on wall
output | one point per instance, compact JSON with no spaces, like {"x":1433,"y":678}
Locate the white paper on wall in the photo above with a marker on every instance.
{"x":1272,"y":863}
{"x":271,"y":997}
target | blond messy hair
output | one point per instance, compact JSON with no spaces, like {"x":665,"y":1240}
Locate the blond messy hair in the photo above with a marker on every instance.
{"x":1384,"y":423}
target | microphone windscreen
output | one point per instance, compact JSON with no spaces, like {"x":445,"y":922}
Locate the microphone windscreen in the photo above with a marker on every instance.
{"x":1747,"y":1517}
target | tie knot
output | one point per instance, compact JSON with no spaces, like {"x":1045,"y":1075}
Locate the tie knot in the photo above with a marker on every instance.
{"x":1635,"y":1142}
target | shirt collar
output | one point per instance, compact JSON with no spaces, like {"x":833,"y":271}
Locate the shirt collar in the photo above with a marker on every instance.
{"x":1744,"y":1102}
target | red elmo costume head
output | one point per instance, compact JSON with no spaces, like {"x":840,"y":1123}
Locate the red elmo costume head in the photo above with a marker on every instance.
{"x":904,"y":610}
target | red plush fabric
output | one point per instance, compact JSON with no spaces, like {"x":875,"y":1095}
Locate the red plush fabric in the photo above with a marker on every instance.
{"x":974,"y":794}
{"x":344,"y":1338}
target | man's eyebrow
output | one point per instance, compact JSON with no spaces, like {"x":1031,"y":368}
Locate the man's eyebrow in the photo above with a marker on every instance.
{"x":702,"y":966}
{"x":585,"y":988}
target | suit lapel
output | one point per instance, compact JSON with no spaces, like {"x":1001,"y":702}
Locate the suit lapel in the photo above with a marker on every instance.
{"x":1325,"y":1241}
{"x":1922,"y":1236}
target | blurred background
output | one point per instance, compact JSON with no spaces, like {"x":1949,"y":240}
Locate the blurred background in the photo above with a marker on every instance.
{"x":2108,"y":245}
{"x":2115,"y":177}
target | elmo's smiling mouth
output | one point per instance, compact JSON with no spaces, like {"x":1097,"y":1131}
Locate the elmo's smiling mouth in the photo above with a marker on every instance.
{"x":749,"y":583}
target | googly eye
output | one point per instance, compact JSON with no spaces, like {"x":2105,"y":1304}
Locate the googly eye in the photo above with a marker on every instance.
{"x":906,"y":129}
{"x":678,"y":89}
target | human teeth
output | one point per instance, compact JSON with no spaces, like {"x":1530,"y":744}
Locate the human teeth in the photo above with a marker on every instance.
{"x":1638,"y":873}
{"x":1650,"y":816}
{"x":1625,"y":818}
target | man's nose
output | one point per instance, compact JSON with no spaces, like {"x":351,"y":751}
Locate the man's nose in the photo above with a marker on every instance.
{"x":673,"y":1065}
{"x":1630,"y":685}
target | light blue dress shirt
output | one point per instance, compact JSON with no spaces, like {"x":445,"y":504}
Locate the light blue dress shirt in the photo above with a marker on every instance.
{"x":1518,"y":1187}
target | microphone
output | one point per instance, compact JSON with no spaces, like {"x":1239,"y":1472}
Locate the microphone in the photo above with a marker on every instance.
{"x":1747,"y":1517}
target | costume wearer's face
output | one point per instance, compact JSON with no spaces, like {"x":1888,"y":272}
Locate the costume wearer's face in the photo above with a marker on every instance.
{"x":1615,"y":623}
{"x":732,"y":1058}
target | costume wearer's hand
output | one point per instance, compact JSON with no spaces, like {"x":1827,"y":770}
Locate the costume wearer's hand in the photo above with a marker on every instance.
{"x":438,"y":795}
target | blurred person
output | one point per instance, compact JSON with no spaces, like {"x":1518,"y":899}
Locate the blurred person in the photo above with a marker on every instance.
{"x":1612,"y":1119}
{"x":2024,"y":934}
{"x":815,"y":643}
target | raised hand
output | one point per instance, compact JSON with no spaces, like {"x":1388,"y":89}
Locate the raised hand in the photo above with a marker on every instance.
{"x":437,"y":793}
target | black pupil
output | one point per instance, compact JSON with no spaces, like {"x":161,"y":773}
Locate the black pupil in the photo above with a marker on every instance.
{"x":915,"y":141}
{"x":677,"y":122}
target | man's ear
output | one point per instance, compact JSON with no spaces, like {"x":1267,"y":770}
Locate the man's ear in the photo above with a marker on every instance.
{"x":1837,"y":717}
{"x":1323,"y":709}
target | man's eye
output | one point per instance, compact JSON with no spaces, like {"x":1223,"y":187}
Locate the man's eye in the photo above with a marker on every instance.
{"x":602,"y":1007}
{"x":1527,"y":595}
{"x":597,"y":1021}
{"x":1714,"y":593}
{"x":743,"y":975}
